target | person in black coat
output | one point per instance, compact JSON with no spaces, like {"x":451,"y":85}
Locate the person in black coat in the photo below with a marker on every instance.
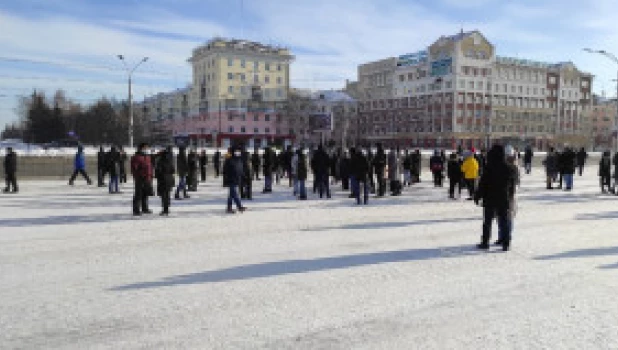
{"x":454,"y":175}
{"x":344,"y":171}
{"x":216,"y":161}
{"x":203,"y":161}
{"x":360,"y":172}
{"x":301,"y":174}
{"x":436,"y":165}
{"x":605,"y":171}
{"x":321,"y":166}
{"x":182,"y":167}
{"x":379,"y":166}
{"x":528,"y":160}
{"x":101,"y":165}
{"x":416,"y":166}
{"x":256,"y":163}
{"x":164,"y":173}
{"x":232,"y":178}
{"x":193,"y":167}
{"x":371,"y":180}
{"x":496,"y":190}
{"x":123,"y":166}
{"x":569,"y":158}
{"x":113,"y":169}
{"x":247,"y":176}
{"x":581,"y":160}
{"x":10,"y":171}
{"x":268,"y":166}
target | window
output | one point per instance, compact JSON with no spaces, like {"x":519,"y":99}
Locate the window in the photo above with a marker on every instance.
{"x":230,"y":76}
{"x":471,"y":85}
{"x":267,"y":117}
{"x":230,"y":89}
{"x":552,"y":80}
{"x":279,"y":93}
{"x":242,"y":129}
{"x":230,"y":129}
{"x":256,"y":117}
{"x":267,"y":79}
{"x":479,"y":85}
{"x":279,"y":80}
{"x":462,"y":84}
{"x":243,"y":77}
{"x":230,"y":62}
{"x":267,"y":130}
{"x":243,"y":64}
{"x":279,"y":68}
{"x":267,"y":66}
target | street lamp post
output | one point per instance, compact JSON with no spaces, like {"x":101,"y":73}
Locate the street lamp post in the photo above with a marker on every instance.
{"x":612,"y":57}
{"x":130,"y":74}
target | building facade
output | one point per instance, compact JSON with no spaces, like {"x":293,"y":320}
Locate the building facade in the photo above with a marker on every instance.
{"x":602,"y":117}
{"x":237,"y":94}
{"x":459,"y":92}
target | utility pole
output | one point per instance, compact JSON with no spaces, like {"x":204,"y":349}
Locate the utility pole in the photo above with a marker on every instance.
{"x":130,"y":74}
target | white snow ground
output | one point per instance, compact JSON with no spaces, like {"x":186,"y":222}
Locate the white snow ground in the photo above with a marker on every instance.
{"x":77,"y":271}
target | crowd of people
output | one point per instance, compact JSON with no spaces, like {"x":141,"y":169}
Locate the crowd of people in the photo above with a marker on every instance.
{"x":490,"y":178}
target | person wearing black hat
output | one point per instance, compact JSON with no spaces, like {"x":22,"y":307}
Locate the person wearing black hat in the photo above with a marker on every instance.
{"x":496,"y":190}
{"x":216,"y":161}
{"x":10,"y":171}
{"x":141,"y":169}
{"x":164,"y":172}
{"x":232,"y":178}
{"x":203,"y":160}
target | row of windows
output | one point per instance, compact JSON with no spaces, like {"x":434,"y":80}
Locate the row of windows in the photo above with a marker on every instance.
{"x":243,"y":130}
{"x":256,"y":117}
{"x":256,"y":78}
{"x":244,"y":90}
{"x":256,"y":65}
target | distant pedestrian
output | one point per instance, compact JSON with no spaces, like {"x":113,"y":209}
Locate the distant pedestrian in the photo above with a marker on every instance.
{"x":582,"y":156}
{"x":436,"y":165}
{"x":101,"y":167}
{"x":203,"y":162}
{"x":551,"y":167}
{"x":246,"y":184}
{"x":123,"y":166}
{"x":216,"y":161}
{"x":454,"y":175}
{"x":379,"y":166}
{"x":360,"y":173}
{"x":321,"y":165}
{"x":416,"y":166}
{"x":301,"y":174}
{"x":141,"y":169}
{"x":407,"y":169}
{"x":193,"y":168}
{"x":470,"y":170}
{"x":232,"y":175}
{"x":10,"y":171}
{"x":569,"y":158}
{"x":528,"y":155}
{"x":268,"y":166}
{"x":164,"y":172}
{"x":256,"y":163}
{"x":394,"y":172}
{"x":113,"y":169}
{"x":605,"y":172}
{"x":79,"y":166}
{"x":182,"y":167}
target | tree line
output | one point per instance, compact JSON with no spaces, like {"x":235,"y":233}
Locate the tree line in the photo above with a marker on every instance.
{"x":105,"y":122}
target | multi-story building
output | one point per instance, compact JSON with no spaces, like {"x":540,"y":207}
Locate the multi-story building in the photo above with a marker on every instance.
{"x":458,"y":92}
{"x":237,"y":94}
{"x":602,"y":117}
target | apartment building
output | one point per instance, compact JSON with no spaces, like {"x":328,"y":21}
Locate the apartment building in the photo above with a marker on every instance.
{"x":237,"y":94}
{"x":459,"y":92}
{"x":602,"y":118}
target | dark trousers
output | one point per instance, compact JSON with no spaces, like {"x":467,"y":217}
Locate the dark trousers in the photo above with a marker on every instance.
{"x":489,"y":213}
{"x":345,"y":183}
{"x":245,"y":188}
{"x":256,"y":173}
{"x":451,"y":187}
{"x":166,"y":201}
{"x":268,"y":183}
{"x":372,"y":183}
{"x":217,"y":169}
{"x":323,"y":186}
{"x":11,"y":181}
{"x":203,"y":173}
{"x":605,"y":181}
{"x":356,"y":190}
{"x":437,"y":179}
{"x":471,"y":186}
{"x":140,"y":197}
{"x":82,"y":172}
{"x":233,"y":198}
{"x":100,"y":177}
{"x":182,"y":186}
{"x":581,"y":169}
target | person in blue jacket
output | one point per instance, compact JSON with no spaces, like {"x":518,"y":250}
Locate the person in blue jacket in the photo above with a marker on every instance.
{"x":80,"y":166}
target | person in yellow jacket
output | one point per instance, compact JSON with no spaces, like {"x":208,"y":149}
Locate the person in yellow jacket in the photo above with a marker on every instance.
{"x":470,"y":170}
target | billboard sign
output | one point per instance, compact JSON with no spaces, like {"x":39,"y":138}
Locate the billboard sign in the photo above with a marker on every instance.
{"x":320,"y":122}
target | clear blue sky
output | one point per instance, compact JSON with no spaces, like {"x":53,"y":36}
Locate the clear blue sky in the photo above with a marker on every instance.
{"x":72,"y":44}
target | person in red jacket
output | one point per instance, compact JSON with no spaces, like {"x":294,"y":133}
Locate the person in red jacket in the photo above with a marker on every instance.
{"x":141,"y":169}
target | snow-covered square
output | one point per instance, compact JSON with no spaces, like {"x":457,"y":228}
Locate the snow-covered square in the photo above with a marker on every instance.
{"x":79,"y":271}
